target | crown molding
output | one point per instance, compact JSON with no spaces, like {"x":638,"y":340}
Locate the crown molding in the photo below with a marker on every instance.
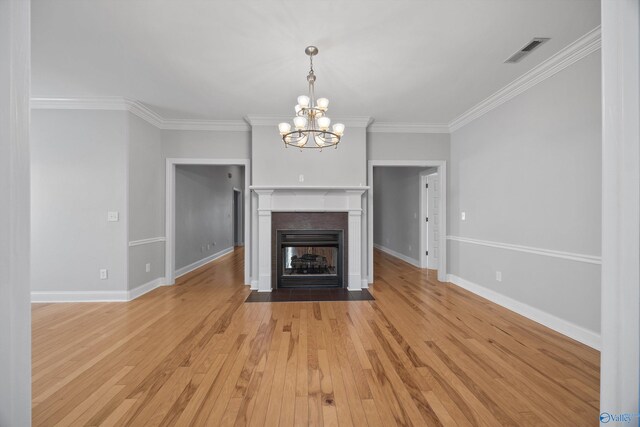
{"x":399,"y":127}
{"x":118,"y":103}
{"x":265,"y":120}
{"x":574,"y":52}
{"x":113,"y":103}
{"x":144,"y":112}
{"x":212,"y":125}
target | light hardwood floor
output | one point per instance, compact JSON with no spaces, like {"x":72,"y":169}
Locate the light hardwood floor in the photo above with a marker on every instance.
{"x":423,"y":353}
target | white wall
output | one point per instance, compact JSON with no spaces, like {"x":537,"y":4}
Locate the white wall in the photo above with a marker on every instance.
{"x":79,"y":173}
{"x":396,"y":210}
{"x":146,"y":201}
{"x":529,"y":173}
{"x":204,"y":206}
{"x":15,"y":310}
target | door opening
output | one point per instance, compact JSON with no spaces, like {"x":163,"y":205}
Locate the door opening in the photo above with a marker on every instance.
{"x":420,"y":235}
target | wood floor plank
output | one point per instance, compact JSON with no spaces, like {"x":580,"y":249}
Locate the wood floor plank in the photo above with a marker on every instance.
{"x":423,"y":353}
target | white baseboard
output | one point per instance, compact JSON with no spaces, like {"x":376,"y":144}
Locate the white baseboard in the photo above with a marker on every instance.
{"x":96,"y":296}
{"x":578,"y":333}
{"x":398,"y":255}
{"x":78,"y":296}
{"x":147,"y":287}
{"x":354,"y":289}
{"x":189,"y":268}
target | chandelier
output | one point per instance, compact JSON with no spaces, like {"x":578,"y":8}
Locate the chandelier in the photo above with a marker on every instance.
{"x":310,"y":124}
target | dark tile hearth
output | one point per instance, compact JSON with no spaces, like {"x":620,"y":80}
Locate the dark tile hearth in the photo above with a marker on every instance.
{"x":303,"y":295}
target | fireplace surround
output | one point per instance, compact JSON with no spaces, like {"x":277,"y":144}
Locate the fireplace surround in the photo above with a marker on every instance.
{"x":308,"y":249}
{"x":301,"y":204}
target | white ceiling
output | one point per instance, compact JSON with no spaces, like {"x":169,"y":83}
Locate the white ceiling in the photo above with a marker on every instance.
{"x":403,"y":60}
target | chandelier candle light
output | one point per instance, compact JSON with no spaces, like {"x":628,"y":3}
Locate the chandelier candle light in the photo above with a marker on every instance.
{"x":311,"y":125}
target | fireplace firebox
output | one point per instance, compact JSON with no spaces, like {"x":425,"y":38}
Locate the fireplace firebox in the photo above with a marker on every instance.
{"x":310,"y":258}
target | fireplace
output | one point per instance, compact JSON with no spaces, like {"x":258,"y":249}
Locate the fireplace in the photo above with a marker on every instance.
{"x":309,"y":249}
{"x":310,"y":258}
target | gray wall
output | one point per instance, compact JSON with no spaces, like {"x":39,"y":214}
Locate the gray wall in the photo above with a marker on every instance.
{"x":407,"y":146}
{"x":529,"y":173}
{"x":396,"y":209}
{"x":276,"y":165}
{"x":204,"y":205}
{"x":206,"y":144}
{"x":146,"y":201}
{"x":79,"y":173}
{"x":15,"y":310}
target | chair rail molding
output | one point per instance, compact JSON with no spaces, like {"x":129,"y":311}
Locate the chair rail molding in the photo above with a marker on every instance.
{"x":147,"y":241}
{"x":590,"y":259}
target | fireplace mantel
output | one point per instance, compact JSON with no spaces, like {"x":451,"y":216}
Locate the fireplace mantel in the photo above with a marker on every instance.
{"x":308,"y":187}
{"x":309,"y":199}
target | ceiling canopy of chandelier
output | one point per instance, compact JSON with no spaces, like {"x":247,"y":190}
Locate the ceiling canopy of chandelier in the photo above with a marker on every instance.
{"x":310,"y":124}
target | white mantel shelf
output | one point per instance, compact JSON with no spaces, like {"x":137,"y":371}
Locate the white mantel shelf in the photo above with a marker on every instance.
{"x":308,"y":187}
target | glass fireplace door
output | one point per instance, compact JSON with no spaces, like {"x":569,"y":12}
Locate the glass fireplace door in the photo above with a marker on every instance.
{"x":310,"y":258}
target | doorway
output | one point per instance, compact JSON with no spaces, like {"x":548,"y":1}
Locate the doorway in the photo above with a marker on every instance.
{"x":438,"y":167}
{"x":170,"y":200}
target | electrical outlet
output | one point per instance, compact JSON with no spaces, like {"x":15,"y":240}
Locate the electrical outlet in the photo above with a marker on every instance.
{"x":104,"y":274}
{"x":463,"y":216}
{"x":147,"y":267}
{"x":113,"y":216}
{"x":301,"y":178}
{"x":499,"y":276}
{"x":208,"y":246}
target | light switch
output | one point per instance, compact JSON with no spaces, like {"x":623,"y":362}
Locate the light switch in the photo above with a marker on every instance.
{"x":463,"y":216}
{"x":104,"y":274}
{"x":113,"y":216}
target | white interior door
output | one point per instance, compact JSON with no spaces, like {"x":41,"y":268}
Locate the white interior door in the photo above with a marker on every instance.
{"x":433,"y":221}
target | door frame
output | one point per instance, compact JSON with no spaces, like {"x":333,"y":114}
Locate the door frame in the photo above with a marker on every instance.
{"x":441,"y":166}
{"x":239,"y":238}
{"x":170,"y":219}
{"x":424,"y":213}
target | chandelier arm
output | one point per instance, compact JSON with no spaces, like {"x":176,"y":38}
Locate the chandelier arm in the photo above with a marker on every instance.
{"x":300,"y":138}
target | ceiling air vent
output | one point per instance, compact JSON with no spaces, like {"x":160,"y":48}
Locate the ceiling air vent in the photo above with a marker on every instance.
{"x":527,"y":49}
